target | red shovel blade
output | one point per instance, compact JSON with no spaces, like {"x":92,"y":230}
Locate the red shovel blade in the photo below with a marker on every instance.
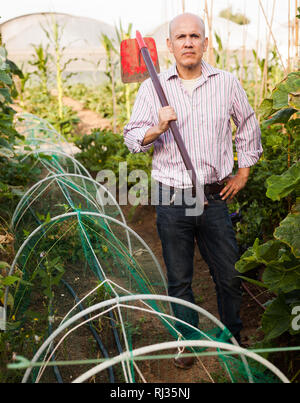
{"x":133,"y":67}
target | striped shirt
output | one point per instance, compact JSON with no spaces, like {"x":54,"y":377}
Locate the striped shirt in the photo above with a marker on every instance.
{"x":203,"y":120}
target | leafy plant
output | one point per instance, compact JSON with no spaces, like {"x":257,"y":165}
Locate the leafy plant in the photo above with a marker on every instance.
{"x":42,"y":100}
{"x":7,"y":93}
{"x":111,"y":51}
{"x":280,"y":256}
{"x":14,"y":174}
{"x":41,"y":62}
{"x":8,"y":281}
{"x":54,"y":34}
{"x":100,"y":149}
{"x":50,"y":275}
{"x":45,"y":106}
{"x":105,"y":150}
{"x":122,"y":35}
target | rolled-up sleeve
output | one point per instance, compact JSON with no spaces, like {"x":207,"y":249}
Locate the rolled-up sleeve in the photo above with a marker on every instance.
{"x":248,"y":135}
{"x":141,"y":120}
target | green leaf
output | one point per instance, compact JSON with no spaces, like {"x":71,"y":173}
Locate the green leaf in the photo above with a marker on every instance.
{"x":14,"y":68}
{"x":259,"y":254}
{"x":10,"y":326}
{"x":292,"y":82}
{"x":281,"y":267}
{"x":5,"y":95}
{"x":219,"y":42}
{"x":289,"y":230}
{"x":255,"y":282}
{"x":247,"y":261}
{"x":9,"y":280}
{"x":282,"y":116}
{"x":294,"y":100}
{"x":268,"y":252}
{"x":274,"y":140}
{"x":48,"y":218}
{"x":5,"y":143}
{"x":277,"y":279}
{"x":279,"y":186}
{"x":5,"y":78}
{"x":280,"y":97}
{"x":4,"y":265}
{"x":6,"y":152}
{"x":276,"y":318}
{"x":3,"y":52}
{"x":45,"y":156}
{"x":266,"y":107}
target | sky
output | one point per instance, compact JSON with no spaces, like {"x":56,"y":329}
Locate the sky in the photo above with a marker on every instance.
{"x":144,"y":14}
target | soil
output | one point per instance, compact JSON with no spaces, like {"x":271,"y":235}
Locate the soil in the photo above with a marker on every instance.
{"x":143,"y":222}
{"x":88,"y":119}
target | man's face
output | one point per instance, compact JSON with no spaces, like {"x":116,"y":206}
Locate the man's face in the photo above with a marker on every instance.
{"x":187,"y":42}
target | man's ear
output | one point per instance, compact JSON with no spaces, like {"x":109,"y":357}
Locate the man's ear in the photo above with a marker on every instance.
{"x":169,"y":44}
{"x":205,"y":44}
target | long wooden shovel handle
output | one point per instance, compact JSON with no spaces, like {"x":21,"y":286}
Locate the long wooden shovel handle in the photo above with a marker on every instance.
{"x":164,"y":102}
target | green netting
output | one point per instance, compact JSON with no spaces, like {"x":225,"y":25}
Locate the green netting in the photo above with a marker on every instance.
{"x":70,"y":232}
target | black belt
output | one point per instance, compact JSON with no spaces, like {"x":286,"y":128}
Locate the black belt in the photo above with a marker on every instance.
{"x":213,"y":188}
{"x":210,"y":188}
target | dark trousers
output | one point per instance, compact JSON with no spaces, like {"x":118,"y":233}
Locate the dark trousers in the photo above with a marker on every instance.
{"x":214,"y":234}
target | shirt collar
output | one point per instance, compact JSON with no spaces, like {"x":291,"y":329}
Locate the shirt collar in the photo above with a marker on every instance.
{"x":207,"y":70}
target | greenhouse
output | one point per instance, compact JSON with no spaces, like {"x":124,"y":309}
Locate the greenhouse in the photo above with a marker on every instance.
{"x":80,"y":36}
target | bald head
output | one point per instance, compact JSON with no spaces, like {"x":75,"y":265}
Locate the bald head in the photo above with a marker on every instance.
{"x":187,"y":43}
{"x":186,"y":18}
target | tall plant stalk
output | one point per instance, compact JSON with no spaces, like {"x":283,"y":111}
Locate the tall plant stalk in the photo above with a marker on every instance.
{"x":110,"y":50}
{"x":296,"y":34}
{"x":183,"y":5}
{"x":272,"y":34}
{"x":54,"y":33}
{"x":256,"y":64}
{"x":122,"y":35}
{"x":227,"y":63}
{"x":59,"y":82}
{"x":264,"y":82}
{"x":289,"y":37}
{"x":210,"y":33}
{"x":242,"y":72}
{"x":40,"y":61}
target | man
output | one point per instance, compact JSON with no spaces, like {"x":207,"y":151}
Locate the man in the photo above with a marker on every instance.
{"x":202,"y":99}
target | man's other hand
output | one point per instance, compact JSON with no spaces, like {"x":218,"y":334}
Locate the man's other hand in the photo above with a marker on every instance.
{"x":235,"y":183}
